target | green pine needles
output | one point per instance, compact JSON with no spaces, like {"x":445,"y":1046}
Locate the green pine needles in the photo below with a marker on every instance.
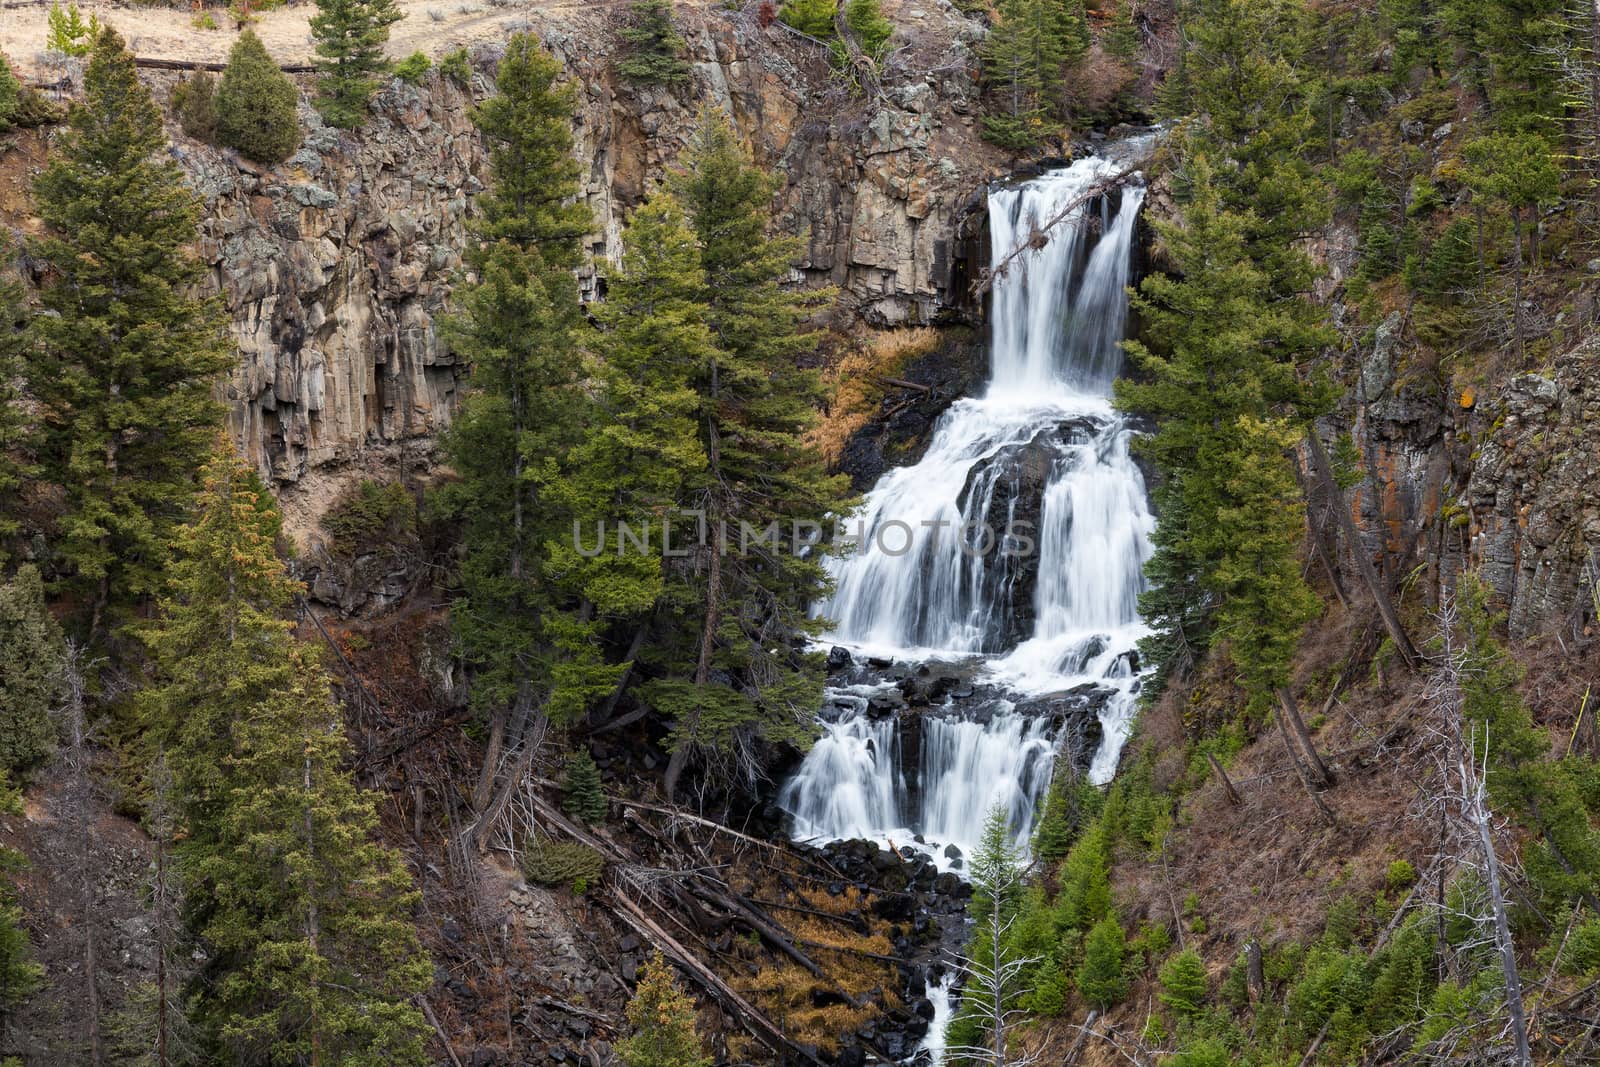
{"x":124,"y":364}
{"x":655,"y":48}
{"x":256,"y":104}
{"x":350,"y":35}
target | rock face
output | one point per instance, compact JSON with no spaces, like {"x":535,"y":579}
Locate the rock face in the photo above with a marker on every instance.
{"x":335,"y":267}
{"x":1506,"y":483}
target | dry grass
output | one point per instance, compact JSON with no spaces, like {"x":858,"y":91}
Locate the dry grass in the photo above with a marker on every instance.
{"x":855,"y":386}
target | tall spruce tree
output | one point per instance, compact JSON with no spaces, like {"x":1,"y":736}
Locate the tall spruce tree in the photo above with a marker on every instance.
{"x":1218,"y":357}
{"x":310,"y":956}
{"x":642,"y":458}
{"x":1024,"y":59}
{"x":124,"y":362}
{"x":519,"y":327}
{"x":755,"y":406}
{"x":350,"y":35}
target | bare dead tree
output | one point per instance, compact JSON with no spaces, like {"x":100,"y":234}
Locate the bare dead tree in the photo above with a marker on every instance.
{"x":1460,"y":754}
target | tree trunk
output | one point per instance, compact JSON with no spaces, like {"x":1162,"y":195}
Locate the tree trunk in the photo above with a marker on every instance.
{"x":1255,"y":981}
{"x":1227,"y":783}
{"x":1369,"y":575}
{"x":1516,"y":281}
{"x":1502,"y":932}
{"x":1319,"y":769}
{"x":1300,"y":771}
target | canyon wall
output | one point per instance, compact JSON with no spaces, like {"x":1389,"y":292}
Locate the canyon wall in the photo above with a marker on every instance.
{"x":335,"y":267}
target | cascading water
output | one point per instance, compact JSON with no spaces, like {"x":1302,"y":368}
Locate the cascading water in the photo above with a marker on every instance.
{"x":1017,"y":542}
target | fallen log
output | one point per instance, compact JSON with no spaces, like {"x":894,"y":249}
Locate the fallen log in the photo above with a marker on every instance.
{"x":151,"y":63}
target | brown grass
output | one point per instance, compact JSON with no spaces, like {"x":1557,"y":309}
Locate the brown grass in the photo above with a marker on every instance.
{"x":854,"y":383}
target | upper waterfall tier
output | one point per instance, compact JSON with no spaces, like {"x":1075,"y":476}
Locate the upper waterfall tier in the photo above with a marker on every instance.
{"x":1024,"y":526}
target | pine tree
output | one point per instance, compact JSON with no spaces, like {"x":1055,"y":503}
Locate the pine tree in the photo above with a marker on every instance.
{"x":520,"y":328}
{"x":582,"y":796}
{"x":17,"y":436}
{"x":125,"y":361}
{"x":1022,"y":61}
{"x":31,"y":679}
{"x":256,"y":104}
{"x":655,"y":48}
{"x":20,"y":976}
{"x":350,"y":35}
{"x":310,"y":954}
{"x":1122,"y":36}
{"x":755,"y":408}
{"x":663,"y":1020}
{"x":1102,"y":977}
{"x":643,"y":457}
{"x":1183,"y":983}
{"x":992,"y":987}
{"x":532,"y":201}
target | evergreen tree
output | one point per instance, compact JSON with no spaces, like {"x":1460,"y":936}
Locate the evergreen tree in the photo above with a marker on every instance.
{"x":194,"y":102}
{"x":124,"y":364}
{"x":655,"y":48}
{"x":992,"y":987}
{"x":518,"y":328}
{"x":755,"y":408}
{"x":256,"y":104}
{"x":641,"y":460}
{"x":1121,"y":38}
{"x":1023,"y":58}
{"x":663,"y":1019}
{"x":532,"y":201}
{"x":17,"y":437}
{"x":1102,"y":977}
{"x":582,"y":796}
{"x":350,"y":35}
{"x":31,"y":673}
{"x":309,"y":951}
{"x":20,"y":976}
{"x":1183,"y":983}
{"x":1219,"y":361}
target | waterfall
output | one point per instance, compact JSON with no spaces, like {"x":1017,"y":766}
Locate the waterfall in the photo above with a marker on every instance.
{"x":1016,"y":543}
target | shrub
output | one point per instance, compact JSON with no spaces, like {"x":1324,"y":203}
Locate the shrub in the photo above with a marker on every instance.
{"x":413,"y":68}
{"x":1581,"y":956}
{"x":372,"y":515}
{"x":662,"y":1016}
{"x":1102,"y":979}
{"x":256,"y":104}
{"x":194,"y":102}
{"x":1401,"y":875}
{"x":10,"y":95}
{"x":204,"y":20}
{"x":583,"y":798}
{"x":457,"y":66}
{"x":562,"y":863}
{"x":814,"y":17}
{"x":1183,"y":983}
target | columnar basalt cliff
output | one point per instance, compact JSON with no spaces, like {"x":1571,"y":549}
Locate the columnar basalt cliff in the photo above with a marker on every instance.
{"x":336,"y":266}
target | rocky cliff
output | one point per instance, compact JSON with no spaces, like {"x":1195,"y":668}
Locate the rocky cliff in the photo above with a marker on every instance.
{"x":336,"y":266}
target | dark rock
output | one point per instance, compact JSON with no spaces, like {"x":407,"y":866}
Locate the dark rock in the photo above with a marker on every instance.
{"x":839,"y":658}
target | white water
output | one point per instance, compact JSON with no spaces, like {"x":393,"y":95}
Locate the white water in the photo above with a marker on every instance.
{"x":934,"y":574}
{"x":943,"y":1008}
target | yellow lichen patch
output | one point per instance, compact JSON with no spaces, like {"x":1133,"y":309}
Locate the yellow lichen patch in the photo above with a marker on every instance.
{"x":1469,"y":397}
